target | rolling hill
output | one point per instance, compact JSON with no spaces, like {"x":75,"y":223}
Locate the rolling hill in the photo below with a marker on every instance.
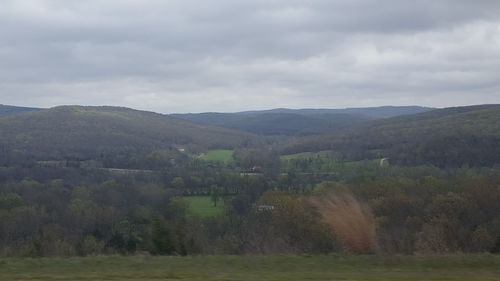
{"x":268,"y":124}
{"x":449,"y":137}
{"x":290,"y":122}
{"x":369,"y":112}
{"x":88,"y":132}
{"x":8,"y":109}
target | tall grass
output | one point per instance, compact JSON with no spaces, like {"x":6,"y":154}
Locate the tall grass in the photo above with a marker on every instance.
{"x":351,"y":221}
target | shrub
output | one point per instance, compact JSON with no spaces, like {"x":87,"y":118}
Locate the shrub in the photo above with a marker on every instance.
{"x":351,"y":221}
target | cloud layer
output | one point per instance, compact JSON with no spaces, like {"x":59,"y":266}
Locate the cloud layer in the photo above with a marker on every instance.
{"x":226,"y":55}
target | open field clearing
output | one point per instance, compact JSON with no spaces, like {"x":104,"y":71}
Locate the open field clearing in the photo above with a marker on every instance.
{"x":203,"y":206}
{"x":263,"y":268}
{"x":308,"y":155}
{"x":220,"y":155}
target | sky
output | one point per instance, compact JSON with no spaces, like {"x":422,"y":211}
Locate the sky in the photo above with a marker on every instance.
{"x":229,"y":55}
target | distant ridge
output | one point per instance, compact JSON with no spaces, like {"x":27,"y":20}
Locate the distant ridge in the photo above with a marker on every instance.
{"x":9,"y":109}
{"x":372,"y":112}
{"x":284,"y":121}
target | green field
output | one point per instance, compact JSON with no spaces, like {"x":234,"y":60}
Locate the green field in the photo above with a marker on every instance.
{"x":220,"y":155}
{"x":307,"y":155}
{"x":203,"y":206}
{"x":254,"y":268}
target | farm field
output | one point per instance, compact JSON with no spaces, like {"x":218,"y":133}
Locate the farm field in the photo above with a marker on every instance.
{"x":262,"y":268}
{"x":203,"y":206}
{"x":221,"y":155}
{"x":307,"y":155}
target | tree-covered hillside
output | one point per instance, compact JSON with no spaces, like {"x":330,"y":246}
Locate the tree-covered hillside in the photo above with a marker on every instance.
{"x":283,"y":121}
{"x":445,"y":137}
{"x":279,"y":123}
{"x":8,"y":109}
{"x":89,"y":132}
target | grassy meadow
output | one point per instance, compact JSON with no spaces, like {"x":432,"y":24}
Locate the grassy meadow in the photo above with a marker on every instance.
{"x":254,"y":268}
{"x":220,"y":155}
{"x":203,"y":206}
{"x":307,"y":155}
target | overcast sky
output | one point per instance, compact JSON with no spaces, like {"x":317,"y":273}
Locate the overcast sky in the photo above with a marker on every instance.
{"x":228,"y":55}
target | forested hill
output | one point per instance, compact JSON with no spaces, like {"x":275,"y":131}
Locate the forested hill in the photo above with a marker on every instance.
{"x":87,"y":132}
{"x":444,"y":137}
{"x":369,"y":112}
{"x":283,"y":121}
{"x":279,"y":123}
{"x":447,"y":137}
{"x":8,"y":109}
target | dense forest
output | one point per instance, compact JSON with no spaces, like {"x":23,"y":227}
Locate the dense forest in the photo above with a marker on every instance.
{"x":100,"y":133}
{"x":104,"y":180}
{"x":9,"y":110}
{"x":299,"y":122}
{"x":451,"y":137}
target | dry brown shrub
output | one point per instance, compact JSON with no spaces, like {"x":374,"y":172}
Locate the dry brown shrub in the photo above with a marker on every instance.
{"x":351,"y":221}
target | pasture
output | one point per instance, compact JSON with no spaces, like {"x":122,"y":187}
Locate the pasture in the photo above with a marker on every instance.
{"x":219,"y":155}
{"x":203,"y":206}
{"x":252,"y":268}
{"x":309,"y":155}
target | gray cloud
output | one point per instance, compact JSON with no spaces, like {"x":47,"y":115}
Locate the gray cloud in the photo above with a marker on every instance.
{"x":226,"y":55}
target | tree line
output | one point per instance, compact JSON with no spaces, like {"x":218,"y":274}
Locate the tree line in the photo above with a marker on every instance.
{"x":293,"y":206}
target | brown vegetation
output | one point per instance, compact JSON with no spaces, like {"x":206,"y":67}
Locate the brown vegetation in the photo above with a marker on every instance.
{"x":351,"y":221}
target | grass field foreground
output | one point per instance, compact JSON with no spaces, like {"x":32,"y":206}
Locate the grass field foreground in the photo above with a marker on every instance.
{"x":262,"y":268}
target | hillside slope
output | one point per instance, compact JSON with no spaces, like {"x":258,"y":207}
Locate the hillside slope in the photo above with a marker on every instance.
{"x":88,"y":132}
{"x":368,"y":112}
{"x":445,"y":137}
{"x":8,"y":109}
{"x":283,"y":121}
{"x":278,"y":123}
